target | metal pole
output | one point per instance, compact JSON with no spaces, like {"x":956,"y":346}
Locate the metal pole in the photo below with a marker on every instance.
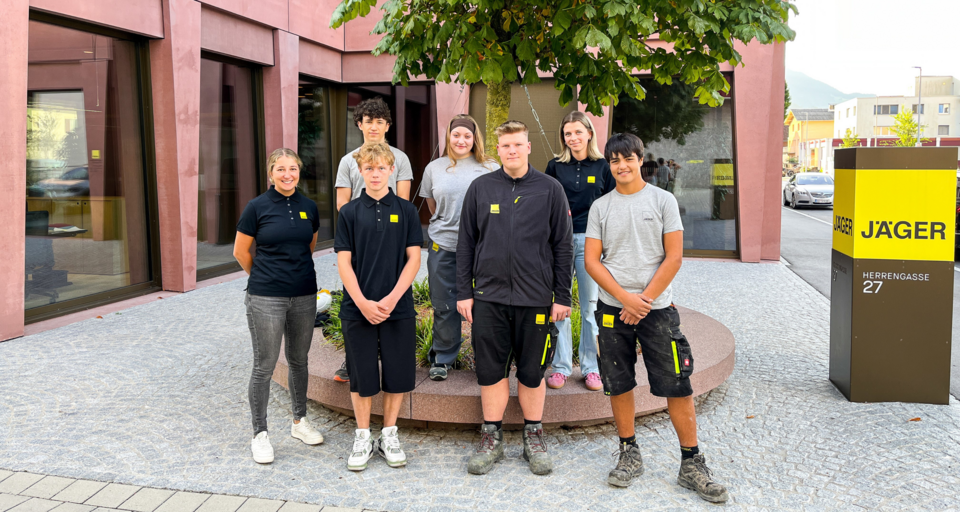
{"x":919,"y":102}
{"x":876,"y":110}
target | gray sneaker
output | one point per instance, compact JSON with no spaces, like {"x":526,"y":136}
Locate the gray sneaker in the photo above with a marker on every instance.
{"x":535,"y":450}
{"x":696,"y":476}
{"x":629,"y":466}
{"x":438,"y":371}
{"x":489,"y":451}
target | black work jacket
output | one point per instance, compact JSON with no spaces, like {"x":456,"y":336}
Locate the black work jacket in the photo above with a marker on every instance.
{"x":516,"y":241}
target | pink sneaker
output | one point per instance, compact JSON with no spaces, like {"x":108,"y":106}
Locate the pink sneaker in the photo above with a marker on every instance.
{"x":556,"y":381}
{"x":593,"y":381}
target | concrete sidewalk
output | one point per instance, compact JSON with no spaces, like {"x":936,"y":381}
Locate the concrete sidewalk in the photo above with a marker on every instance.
{"x":155,"y":397}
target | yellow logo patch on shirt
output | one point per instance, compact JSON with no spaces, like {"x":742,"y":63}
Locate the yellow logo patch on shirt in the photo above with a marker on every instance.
{"x":591,"y":179}
{"x":394,"y":218}
{"x":541,"y":319}
{"x":436,"y":248}
{"x":608,"y":321}
{"x":494,"y":208}
{"x":303,"y":215}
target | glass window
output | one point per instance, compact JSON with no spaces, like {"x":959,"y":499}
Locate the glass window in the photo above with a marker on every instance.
{"x":229,"y":162}
{"x":943,"y":129}
{"x":314,"y":147}
{"x":86,"y":209}
{"x":689,"y":152}
{"x":915,"y":109}
{"x":944,"y":108}
{"x":814,"y":179}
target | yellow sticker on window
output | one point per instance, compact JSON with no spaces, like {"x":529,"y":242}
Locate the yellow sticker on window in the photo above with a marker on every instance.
{"x":494,"y":208}
{"x":541,"y":319}
{"x":394,"y":218}
{"x":591,"y":179}
{"x":303,"y":215}
{"x":436,"y":248}
{"x":608,"y":321}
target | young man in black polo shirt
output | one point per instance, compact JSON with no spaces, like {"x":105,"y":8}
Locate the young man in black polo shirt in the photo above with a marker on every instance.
{"x":378,"y":255}
{"x":514,"y":271}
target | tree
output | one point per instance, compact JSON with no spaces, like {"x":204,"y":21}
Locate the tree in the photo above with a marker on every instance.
{"x":786,"y":99}
{"x":591,"y":48}
{"x":905,"y":127}
{"x":850,"y":139}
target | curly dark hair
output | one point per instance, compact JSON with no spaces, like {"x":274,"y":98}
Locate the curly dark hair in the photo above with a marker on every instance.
{"x":374,"y":108}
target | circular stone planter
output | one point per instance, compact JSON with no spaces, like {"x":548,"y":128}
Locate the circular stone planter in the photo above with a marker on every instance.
{"x":457,"y":399}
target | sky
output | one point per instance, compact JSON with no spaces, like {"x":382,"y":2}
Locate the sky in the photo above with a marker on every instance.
{"x":871,"y":46}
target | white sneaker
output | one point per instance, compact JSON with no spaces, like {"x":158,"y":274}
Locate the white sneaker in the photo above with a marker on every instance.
{"x":389,"y":448}
{"x":262,"y":449}
{"x":305,"y":432}
{"x":362,"y":451}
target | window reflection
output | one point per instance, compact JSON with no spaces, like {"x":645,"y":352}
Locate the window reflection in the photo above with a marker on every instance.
{"x":228,"y":158}
{"x":314,"y":148}
{"x":86,"y":223}
{"x":689,"y":153}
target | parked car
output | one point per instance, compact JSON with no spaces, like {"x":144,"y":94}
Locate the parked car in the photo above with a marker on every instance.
{"x":809,"y":189}
{"x":73,"y":183}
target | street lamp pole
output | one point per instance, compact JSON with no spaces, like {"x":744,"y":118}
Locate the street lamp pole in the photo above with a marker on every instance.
{"x":919,"y":102}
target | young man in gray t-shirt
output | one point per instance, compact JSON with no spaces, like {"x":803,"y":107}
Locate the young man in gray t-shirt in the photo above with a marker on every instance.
{"x":633,"y":250}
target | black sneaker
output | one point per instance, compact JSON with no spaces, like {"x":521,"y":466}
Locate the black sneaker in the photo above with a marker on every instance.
{"x":341,"y":375}
{"x":438,"y":371}
{"x":696,"y":476}
{"x":629,"y":466}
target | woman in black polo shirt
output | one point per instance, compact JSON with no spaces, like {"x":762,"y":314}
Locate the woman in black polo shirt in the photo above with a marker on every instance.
{"x":585,"y":176}
{"x":281,"y":295}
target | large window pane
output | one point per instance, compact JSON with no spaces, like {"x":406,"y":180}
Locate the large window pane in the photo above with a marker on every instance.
{"x":228,"y":158}
{"x":86,"y":227}
{"x":314,"y":148}
{"x":690,"y":154}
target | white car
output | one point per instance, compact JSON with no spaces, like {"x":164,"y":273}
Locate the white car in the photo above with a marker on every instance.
{"x":809,"y":189}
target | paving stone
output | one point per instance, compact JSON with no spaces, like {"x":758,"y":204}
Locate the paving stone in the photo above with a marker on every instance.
{"x":260,"y":505}
{"x":4,"y":474}
{"x":8,"y":501}
{"x":73,"y":507}
{"x":340,"y":509}
{"x":183,"y":502}
{"x":146,"y":500}
{"x":222,"y":504}
{"x":48,"y":487}
{"x":79,"y":491}
{"x":19,"y":482}
{"x":35,"y":505}
{"x":112,"y":495}
{"x":299,"y":507}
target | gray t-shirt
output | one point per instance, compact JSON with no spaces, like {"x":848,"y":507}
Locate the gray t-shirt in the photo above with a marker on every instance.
{"x":631,"y":228}
{"x":348,"y":174}
{"x":446,"y":185}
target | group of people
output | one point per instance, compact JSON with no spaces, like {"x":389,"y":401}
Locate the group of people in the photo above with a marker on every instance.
{"x":660,"y":173}
{"x":505,"y":243}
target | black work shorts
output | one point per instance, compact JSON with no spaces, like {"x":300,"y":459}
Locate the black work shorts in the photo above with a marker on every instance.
{"x":666,"y":352}
{"x":392,"y":343}
{"x":503,"y":334}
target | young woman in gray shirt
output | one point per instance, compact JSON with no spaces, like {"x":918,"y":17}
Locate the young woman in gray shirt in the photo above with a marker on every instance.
{"x":445,"y":181}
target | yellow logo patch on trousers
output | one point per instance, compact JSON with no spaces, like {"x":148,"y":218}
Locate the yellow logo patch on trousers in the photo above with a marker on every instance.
{"x":541,"y":319}
{"x":436,"y":248}
{"x":608,"y":321}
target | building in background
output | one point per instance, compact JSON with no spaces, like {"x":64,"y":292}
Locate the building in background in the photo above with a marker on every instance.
{"x":136,"y":131}
{"x":806,"y":124}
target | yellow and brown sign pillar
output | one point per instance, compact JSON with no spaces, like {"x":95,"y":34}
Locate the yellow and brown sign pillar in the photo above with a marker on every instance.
{"x":892,"y":273}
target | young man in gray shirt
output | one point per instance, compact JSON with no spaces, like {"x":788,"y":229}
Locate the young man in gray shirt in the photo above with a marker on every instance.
{"x":633,"y":250}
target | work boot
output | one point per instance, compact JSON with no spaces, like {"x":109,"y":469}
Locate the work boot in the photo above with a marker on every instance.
{"x":489,"y":451}
{"x":535,"y":450}
{"x":696,"y":476}
{"x":629,"y":466}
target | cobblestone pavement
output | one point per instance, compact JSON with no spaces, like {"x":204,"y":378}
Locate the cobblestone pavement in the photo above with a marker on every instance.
{"x":156,"y":397}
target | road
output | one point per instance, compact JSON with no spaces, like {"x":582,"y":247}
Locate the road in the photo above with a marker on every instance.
{"x":805,"y":242}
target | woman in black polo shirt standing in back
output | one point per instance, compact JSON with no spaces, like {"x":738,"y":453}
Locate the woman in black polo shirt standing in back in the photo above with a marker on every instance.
{"x":281,"y":295}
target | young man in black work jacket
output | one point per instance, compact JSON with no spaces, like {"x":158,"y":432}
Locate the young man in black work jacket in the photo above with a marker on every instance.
{"x":514,"y":271}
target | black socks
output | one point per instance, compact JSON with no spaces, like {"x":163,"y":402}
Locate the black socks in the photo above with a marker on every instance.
{"x":688,"y":453}
{"x":498,"y":424}
{"x":530,"y":422}
{"x":629,"y":440}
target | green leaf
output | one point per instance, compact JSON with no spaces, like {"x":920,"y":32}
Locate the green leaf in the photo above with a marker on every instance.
{"x":597,"y":38}
{"x":563,"y":18}
{"x":525,"y":51}
{"x":566,"y":94}
{"x":492,"y":74}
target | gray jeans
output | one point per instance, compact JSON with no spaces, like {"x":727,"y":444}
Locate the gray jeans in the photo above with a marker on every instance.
{"x":270,"y":319}
{"x":442,"y":266}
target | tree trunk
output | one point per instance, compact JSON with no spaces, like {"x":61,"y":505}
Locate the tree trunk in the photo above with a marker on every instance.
{"x":498,"y":110}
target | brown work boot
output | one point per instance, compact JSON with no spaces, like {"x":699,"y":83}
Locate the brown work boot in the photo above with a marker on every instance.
{"x":696,"y":476}
{"x":535,"y":450}
{"x":489,"y":451}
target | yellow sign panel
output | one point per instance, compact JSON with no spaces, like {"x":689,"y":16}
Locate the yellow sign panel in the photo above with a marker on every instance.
{"x":723,"y":175}
{"x":895,"y":214}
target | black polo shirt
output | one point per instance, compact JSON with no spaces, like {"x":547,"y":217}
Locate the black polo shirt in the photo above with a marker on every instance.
{"x":377,"y":234}
{"x":584,"y":181}
{"x":283,"y":228}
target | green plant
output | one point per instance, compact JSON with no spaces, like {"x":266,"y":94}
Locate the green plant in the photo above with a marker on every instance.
{"x":424,"y":338}
{"x":850,"y":140}
{"x":332,"y":330}
{"x":421,"y":293}
{"x":905,"y":127}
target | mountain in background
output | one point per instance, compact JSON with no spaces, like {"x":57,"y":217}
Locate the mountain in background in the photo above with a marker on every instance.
{"x":806,"y":92}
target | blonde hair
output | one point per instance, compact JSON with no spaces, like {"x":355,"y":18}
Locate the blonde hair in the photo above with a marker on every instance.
{"x":277,"y":155}
{"x":378,"y":152}
{"x":593,"y":152}
{"x":478,"y":153}
{"x":510,"y":127}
